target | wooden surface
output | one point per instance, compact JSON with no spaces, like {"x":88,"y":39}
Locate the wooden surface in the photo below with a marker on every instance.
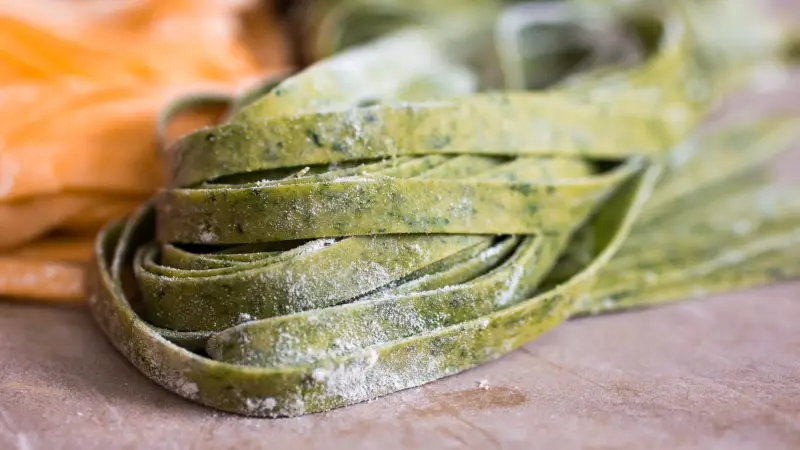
{"x":719,"y":373}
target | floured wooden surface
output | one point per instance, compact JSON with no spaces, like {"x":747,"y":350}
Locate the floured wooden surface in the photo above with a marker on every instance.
{"x":720,"y":373}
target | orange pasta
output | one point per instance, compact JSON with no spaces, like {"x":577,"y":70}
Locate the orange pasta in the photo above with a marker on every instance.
{"x":81,"y":84}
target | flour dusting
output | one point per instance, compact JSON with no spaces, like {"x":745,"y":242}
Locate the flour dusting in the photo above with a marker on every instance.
{"x":261,"y":405}
{"x":207,"y":237}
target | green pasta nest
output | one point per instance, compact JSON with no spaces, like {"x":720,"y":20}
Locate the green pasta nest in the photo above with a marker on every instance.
{"x":373,"y":223}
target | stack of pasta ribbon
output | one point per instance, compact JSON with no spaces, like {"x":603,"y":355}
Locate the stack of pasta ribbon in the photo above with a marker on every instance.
{"x":385,"y":217}
{"x":82,"y":83}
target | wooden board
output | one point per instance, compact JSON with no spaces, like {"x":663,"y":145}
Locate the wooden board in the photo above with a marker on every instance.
{"x":720,"y":373}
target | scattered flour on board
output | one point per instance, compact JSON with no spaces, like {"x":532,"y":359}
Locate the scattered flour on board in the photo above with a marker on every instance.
{"x":23,"y":443}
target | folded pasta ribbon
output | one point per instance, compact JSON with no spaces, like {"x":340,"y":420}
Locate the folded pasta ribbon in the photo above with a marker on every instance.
{"x":370,"y":224}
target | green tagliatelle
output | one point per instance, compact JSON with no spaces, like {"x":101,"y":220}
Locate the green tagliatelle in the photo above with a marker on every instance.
{"x":372,"y":224}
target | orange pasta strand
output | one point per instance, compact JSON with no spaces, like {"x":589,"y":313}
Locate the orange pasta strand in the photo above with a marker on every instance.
{"x":81,"y":84}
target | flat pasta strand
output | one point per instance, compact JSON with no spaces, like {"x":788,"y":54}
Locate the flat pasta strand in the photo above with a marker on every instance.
{"x":336,"y":241}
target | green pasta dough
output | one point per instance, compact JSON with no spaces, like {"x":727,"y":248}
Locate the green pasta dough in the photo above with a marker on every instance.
{"x":384,"y":218}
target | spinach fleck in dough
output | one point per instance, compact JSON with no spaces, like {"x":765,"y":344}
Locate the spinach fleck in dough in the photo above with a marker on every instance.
{"x":360,"y":250}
